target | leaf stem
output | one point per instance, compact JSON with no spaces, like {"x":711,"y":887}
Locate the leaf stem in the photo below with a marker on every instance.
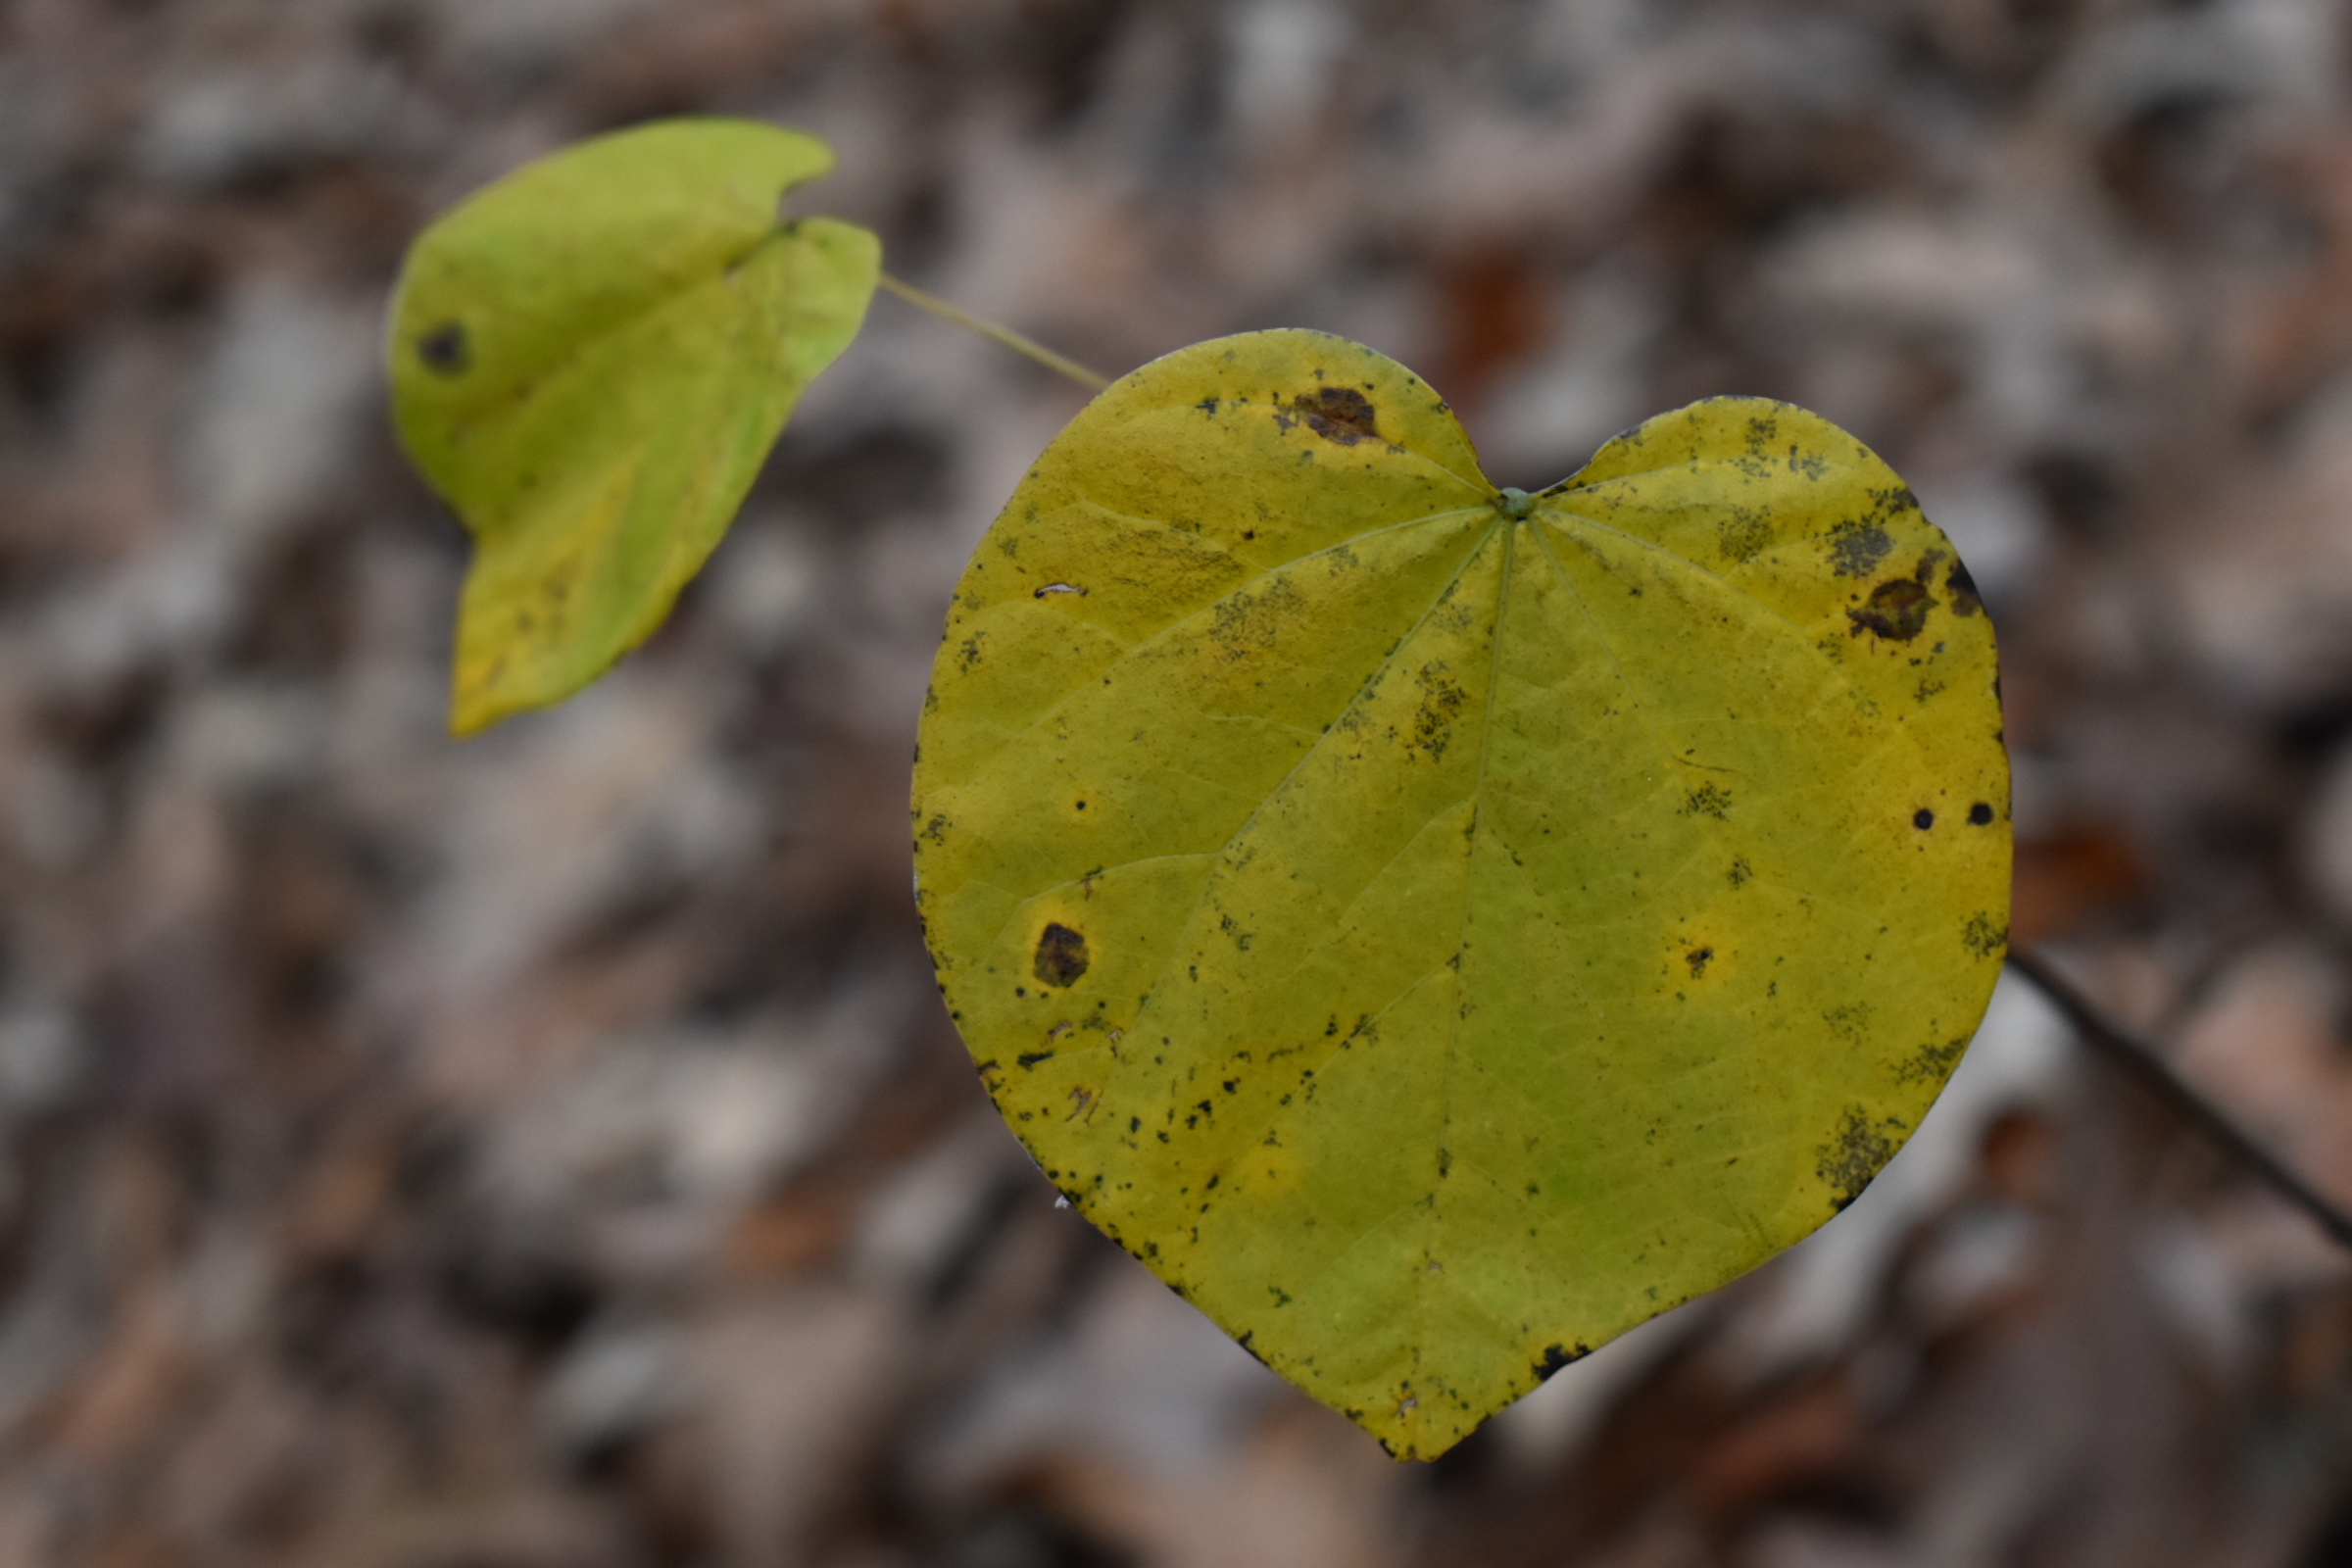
{"x":1005,"y":335}
{"x":2140,"y":1061}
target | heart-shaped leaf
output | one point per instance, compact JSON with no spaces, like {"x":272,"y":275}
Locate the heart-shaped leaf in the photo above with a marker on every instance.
{"x":1437,"y":928}
{"x":590,"y":359}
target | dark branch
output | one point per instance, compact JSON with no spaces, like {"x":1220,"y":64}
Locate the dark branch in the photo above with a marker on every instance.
{"x":2133,"y":1055}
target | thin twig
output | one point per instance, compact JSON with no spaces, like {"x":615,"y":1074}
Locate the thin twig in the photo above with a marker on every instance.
{"x":1003,"y":335}
{"x":2131,"y":1053}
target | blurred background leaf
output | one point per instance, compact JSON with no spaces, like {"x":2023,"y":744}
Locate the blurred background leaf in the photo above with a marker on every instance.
{"x":590,"y":360}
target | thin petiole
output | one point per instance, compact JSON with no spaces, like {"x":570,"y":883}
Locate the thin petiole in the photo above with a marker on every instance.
{"x":2136,"y":1058}
{"x":1003,"y":335}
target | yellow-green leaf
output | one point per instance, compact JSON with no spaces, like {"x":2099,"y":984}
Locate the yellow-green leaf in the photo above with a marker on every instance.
{"x":1435,"y":928}
{"x":590,"y":359}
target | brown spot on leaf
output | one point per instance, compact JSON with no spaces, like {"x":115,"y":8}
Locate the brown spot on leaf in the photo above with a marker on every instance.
{"x":1339,"y":413}
{"x":1898,"y":610}
{"x":1697,"y":958}
{"x":446,"y":349}
{"x":1963,"y":589}
{"x":1061,"y":955}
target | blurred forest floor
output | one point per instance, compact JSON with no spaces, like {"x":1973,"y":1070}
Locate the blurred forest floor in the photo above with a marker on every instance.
{"x":549,"y":1149}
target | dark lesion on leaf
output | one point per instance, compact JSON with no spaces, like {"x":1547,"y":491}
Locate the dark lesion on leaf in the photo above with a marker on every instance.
{"x":1440,"y":701}
{"x":1962,"y":587}
{"x":1556,"y":1356}
{"x":1858,"y":1152}
{"x":1339,"y":413}
{"x":1933,"y":1062}
{"x":1849,"y":1022}
{"x":1743,"y":533}
{"x":1699,"y":959}
{"x":1896,"y":612}
{"x":1245,"y":626}
{"x":1708,"y":800}
{"x":1061,"y":955}
{"x":1857,"y":546}
{"x":446,"y":350}
{"x":1985,"y":937}
{"x":1898,"y":608}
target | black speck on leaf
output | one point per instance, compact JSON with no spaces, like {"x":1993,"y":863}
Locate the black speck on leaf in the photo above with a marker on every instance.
{"x":446,"y":350}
